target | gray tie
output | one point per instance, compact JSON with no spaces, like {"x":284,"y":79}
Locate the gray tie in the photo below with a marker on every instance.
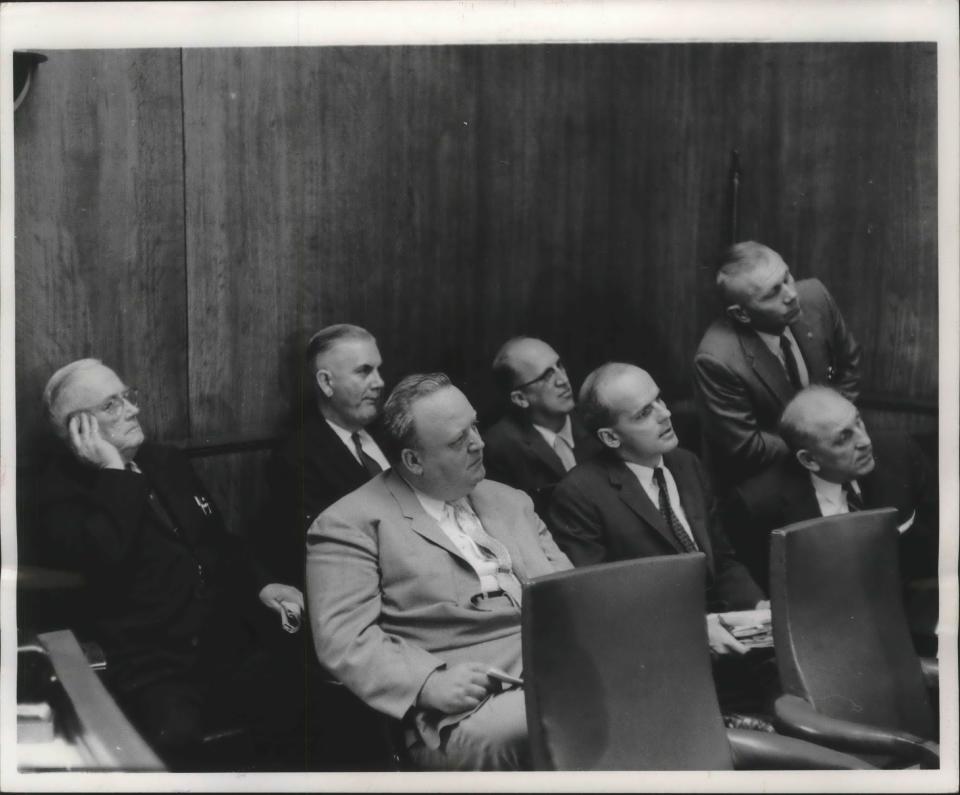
{"x":564,"y":452}
{"x":469,"y":523}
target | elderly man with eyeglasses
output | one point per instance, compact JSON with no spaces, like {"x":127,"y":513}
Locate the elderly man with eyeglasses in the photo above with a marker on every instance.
{"x":540,"y":438}
{"x":171,"y":596}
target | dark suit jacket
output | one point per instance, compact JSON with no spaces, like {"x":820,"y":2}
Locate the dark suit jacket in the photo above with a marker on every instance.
{"x":518,"y":455}
{"x":162,"y":597}
{"x":784,"y":494}
{"x":600,"y":513}
{"x":741,"y":387}
{"x":309,"y":471}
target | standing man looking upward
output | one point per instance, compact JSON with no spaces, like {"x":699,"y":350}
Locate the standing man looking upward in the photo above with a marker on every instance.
{"x":776,"y":336}
{"x":540,"y":438}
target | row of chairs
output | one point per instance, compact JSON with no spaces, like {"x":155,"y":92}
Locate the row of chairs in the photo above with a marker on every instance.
{"x":618,"y":677}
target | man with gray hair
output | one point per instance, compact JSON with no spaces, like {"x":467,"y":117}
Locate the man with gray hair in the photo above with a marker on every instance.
{"x":835,"y":466}
{"x":776,"y":336}
{"x":171,"y":596}
{"x":414,"y":585}
{"x":331,"y":452}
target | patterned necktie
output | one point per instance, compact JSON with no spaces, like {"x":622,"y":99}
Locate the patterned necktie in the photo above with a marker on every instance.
{"x":682,"y":536}
{"x":854,"y":500}
{"x":469,"y":523}
{"x":564,"y":452}
{"x":369,"y":462}
{"x":790,"y":363}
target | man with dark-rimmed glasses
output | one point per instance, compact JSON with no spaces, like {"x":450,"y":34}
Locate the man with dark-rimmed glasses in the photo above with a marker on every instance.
{"x":540,"y":438}
{"x":171,"y":596}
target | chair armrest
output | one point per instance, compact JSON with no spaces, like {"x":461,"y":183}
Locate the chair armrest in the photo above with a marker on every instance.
{"x":763,"y":751}
{"x":931,"y":672}
{"x":795,"y":717}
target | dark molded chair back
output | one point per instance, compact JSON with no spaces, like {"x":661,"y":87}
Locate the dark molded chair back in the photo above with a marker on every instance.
{"x":838,"y":622}
{"x":617,"y":669}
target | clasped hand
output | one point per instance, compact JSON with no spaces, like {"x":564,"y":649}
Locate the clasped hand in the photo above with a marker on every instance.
{"x":456,"y":689}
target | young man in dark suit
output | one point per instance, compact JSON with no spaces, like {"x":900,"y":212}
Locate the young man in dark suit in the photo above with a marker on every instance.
{"x":643,"y":496}
{"x":170,"y":595}
{"x":777,"y":336}
{"x":540,"y":438}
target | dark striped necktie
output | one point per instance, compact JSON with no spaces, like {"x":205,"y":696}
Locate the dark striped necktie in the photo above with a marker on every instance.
{"x":682,"y":536}
{"x":368,"y":461}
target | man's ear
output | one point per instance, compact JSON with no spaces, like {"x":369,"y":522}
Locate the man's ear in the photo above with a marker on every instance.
{"x":608,"y":437}
{"x":807,"y":461}
{"x":324,"y":382}
{"x":737,"y":313}
{"x":411,"y":461}
{"x":519,"y":399}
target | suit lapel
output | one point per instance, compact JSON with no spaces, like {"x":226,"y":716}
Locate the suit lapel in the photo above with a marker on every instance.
{"x":319,"y":435}
{"x":765,"y":364}
{"x":691,"y":500}
{"x":797,"y":496}
{"x":812,"y":346}
{"x":420,"y":521}
{"x":538,"y":447}
{"x":632,"y":494}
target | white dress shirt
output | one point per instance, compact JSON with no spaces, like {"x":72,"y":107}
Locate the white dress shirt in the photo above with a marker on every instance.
{"x":649,"y":485}
{"x":772,"y":341}
{"x":484,"y":565}
{"x":832,"y":499}
{"x":366,"y":441}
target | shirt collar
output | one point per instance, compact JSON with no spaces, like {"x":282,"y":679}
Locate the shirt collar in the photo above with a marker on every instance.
{"x":828,"y":490}
{"x":772,"y":341}
{"x":565,"y":433}
{"x":346,"y":436}
{"x":644,"y":474}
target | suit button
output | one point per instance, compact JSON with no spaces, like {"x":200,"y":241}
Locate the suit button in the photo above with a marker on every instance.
{"x":194,"y":641}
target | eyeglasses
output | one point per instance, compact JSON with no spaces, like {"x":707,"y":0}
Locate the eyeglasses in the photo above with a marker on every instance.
{"x":547,"y":375}
{"x":113,"y":406}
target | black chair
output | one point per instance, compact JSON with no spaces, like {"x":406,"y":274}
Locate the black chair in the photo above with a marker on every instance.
{"x":617,"y":676}
{"x":847,"y":664}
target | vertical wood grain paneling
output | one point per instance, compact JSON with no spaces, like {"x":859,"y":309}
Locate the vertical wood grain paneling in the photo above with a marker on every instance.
{"x":448,"y":197}
{"x":99,"y":228}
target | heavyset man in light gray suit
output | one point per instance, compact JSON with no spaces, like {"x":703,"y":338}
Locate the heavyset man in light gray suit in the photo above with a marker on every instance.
{"x":413,"y":583}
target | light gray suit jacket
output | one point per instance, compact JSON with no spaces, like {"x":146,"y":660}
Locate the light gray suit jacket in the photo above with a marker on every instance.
{"x":390,"y":595}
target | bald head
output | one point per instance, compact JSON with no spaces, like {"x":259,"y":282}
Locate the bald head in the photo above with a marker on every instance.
{"x":825,"y":432}
{"x":531,"y":374}
{"x":621,"y":403}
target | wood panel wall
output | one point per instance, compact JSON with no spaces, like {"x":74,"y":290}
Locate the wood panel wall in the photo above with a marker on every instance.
{"x":189,"y":215}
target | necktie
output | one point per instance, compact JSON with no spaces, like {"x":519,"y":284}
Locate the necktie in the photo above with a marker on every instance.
{"x":790,"y":363}
{"x":854,"y":500}
{"x":468,"y":522}
{"x":682,"y":536}
{"x":369,"y":463}
{"x":564,"y":452}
